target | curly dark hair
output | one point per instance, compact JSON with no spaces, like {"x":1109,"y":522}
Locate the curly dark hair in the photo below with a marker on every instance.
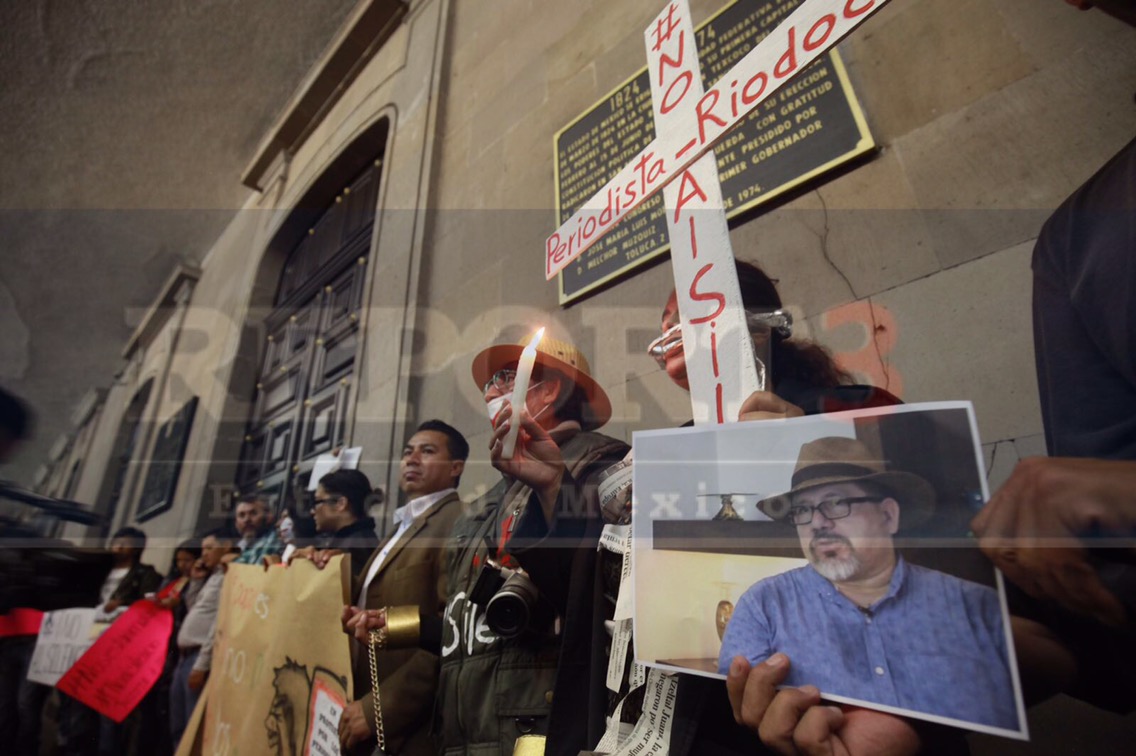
{"x":803,"y":361}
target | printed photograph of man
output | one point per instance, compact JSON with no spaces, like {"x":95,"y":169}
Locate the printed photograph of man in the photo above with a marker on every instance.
{"x":859,"y":621}
{"x":844,"y":556}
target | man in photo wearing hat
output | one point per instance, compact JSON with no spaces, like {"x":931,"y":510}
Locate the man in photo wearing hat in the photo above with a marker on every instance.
{"x":859,"y":621}
{"x":541,"y":518}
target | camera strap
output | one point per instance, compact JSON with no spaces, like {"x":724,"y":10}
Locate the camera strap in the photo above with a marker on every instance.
{"x":507,"y":528}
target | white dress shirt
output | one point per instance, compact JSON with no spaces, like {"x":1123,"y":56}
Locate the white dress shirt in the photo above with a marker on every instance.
{"x":404,"y":516}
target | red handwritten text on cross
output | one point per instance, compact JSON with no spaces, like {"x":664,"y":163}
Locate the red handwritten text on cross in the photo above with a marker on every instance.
{"x":706,"y":296}
{"x":716,"y":345}
{"x":809,"y":31}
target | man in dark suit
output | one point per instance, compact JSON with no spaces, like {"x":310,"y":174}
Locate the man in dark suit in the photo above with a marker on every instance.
{"x":405,"y":578}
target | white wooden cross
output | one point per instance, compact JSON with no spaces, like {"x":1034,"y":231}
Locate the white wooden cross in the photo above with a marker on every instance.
{"x":680,"y":161}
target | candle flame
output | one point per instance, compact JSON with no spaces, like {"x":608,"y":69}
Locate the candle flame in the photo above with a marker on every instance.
{"x":536,"y":338}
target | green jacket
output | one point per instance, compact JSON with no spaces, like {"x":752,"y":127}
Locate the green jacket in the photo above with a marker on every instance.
{"x":493,"y":690}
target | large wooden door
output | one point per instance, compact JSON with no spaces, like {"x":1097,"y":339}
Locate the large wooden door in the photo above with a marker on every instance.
{"x":306,"y":381}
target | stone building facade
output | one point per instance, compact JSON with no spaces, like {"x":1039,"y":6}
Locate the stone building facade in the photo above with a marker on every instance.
{"x":403,"y":196}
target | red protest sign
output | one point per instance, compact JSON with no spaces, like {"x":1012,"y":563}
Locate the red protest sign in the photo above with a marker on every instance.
{"x":20,"y":622}
{"x":124,"y":663}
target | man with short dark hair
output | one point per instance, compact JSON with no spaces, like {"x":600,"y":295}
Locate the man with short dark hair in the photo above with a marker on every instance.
{"x":859,"y":621}
{"x":253,"y":522}
{"x":129,"y":579}
{"x":406,"y":574}
{"x":127,"y":545}
{"x":81,"y":729}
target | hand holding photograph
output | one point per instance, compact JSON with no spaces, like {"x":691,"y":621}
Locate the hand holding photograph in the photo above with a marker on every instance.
{"x":846,"y":549}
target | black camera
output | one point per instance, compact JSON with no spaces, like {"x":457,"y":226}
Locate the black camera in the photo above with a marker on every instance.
{"x":512,"y":602}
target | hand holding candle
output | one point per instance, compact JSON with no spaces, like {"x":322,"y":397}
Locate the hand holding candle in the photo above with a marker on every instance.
{"x":520,"y":391}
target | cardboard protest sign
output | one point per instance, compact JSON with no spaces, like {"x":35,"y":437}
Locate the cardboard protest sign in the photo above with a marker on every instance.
{"x":756,"y":538}
{"x":190,"y":744}
{"x":122,"y":666}
{"x":64,"y":636}
{"x":281,"y":671}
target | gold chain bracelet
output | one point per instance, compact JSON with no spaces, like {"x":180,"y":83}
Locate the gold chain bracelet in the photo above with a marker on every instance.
{"x":378,"y":640}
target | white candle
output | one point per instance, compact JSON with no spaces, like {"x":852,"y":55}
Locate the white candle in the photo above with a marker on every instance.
{"x":520,"y":390}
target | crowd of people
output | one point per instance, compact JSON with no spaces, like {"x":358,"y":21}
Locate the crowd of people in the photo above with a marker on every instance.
{"x":495,"y":616}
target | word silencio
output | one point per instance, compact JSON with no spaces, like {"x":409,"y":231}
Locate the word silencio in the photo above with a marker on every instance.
{"x":781,"y":112}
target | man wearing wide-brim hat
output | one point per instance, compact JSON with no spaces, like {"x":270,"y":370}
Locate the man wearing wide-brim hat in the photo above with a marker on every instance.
{"x":858,"y":621}
{"x":541,"y":517}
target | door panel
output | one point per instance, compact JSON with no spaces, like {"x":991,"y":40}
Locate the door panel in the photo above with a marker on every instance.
{"x":307,"y":375}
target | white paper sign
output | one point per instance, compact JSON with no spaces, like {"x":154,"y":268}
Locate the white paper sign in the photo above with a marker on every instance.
{"x":64,"y":636}
{"x":652,"y":735}
{"x":347,"y":459}
{"x":323,"y":728}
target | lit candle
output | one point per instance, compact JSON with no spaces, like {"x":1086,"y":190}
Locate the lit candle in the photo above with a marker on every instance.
{"x":520,"y":390}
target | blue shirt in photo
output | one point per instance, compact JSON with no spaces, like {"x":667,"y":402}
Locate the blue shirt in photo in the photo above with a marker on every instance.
{"x":933,"y":644}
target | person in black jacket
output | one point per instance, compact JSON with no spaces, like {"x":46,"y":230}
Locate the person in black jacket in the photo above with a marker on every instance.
{"x":1061,"y":527}
{"x":131,"y":578}
{"x":81,"y":729}
{"x":339,"y":509}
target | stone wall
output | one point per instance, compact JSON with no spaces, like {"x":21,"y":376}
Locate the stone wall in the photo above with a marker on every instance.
{"x":913,"y":268}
